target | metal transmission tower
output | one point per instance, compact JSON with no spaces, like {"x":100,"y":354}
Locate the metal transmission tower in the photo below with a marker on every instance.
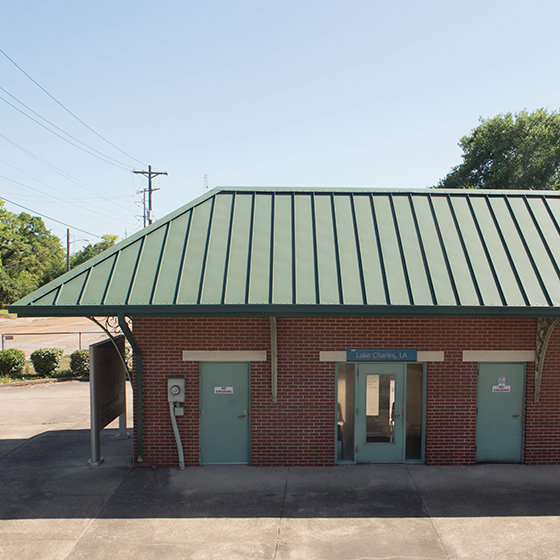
{"x":150,"y":190}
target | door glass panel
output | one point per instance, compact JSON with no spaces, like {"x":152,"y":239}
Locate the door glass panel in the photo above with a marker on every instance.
{"x":380,"y":408}
{"x":414,"y":373}
{"x":345,"y":413}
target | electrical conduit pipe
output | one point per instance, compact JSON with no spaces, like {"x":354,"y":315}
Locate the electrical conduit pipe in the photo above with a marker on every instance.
{"x":177,"y":436}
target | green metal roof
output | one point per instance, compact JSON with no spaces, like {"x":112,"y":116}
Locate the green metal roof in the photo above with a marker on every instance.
{"x":249,"y":251}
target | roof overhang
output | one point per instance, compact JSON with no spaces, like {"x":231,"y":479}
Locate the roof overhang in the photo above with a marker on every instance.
{"x":327,"y":252}
{"x":281,"y":311}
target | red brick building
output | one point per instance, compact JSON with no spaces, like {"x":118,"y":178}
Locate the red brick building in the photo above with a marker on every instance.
{"x":317,"y":327}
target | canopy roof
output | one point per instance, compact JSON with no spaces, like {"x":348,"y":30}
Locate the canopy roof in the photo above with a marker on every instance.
{"x":264,"y":251}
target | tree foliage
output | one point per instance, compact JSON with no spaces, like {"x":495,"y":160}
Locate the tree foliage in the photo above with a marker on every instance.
{"x":90,"y":251}
{"x":511,"y":151}
{"x":30,"y":255}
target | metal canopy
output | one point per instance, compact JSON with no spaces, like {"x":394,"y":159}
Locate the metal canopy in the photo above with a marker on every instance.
{"x":253,"y":251}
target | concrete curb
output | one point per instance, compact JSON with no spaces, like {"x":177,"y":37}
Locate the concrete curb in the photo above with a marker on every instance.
{"x":41,"y":381}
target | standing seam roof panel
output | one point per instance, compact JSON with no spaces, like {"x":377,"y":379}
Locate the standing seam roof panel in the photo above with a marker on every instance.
{"x":236,"y":281}
{"x":194,"y":255}
{"x":435,"y":260}
{"x":482,"y":270}
{"x":282,"y":275}
{"x":326,"y":254}
{"x":147,"y":269}
{"x":98,"y":281}
{"x":48,"y":299}
{"x":521,"y":262}
{"x":259,"y":281}
{"x":217,"y":253}
{"x":548,"y":230}
{"x":419,"y":284}
{"x":70,"y":292}
{"x":348,"y":252}
{"x":168,"y":276}
{"x":537,"y":250}
{"x":371,"y":266}
{"x":396,"y":280}
{"x":498,"y":256}
{"x":454,"y":250}
{"x":304,"y":247}
{"x":122,"y":274}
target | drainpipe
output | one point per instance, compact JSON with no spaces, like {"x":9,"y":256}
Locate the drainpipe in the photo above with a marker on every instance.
{"x":139,"y":424}
{"x":274,"y":359}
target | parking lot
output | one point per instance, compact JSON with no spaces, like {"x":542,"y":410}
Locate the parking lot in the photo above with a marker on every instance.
{"x":53,"y":505}
{"x":30,"y":333}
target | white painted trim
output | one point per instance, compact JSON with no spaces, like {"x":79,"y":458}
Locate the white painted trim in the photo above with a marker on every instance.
{"x":498,"y":355}
{"x":338,"y":356}
{"x":430,"y":356}
{"x":423,"y":356}
{"x":224,"y":356}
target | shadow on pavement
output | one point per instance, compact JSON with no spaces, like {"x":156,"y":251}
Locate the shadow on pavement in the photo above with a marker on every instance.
{"x":48,"y":477}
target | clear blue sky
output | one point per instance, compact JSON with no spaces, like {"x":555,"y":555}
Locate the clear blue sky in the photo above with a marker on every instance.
{"x":370,"y":93}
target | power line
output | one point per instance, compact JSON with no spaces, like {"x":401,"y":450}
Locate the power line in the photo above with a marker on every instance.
{"x":108,"y":198}
{"x":54,"y":126}
{"x":104,"y":158}
{"x":52,"y":197}
{"x":68,"y":110}
{"x":49,"y":218}
{"x":72,"y":179}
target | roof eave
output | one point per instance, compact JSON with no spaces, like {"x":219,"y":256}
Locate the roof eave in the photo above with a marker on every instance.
{"x":257,"y":310}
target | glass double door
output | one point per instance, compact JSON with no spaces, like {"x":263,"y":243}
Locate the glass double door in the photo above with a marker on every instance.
{"x":379,"y":412}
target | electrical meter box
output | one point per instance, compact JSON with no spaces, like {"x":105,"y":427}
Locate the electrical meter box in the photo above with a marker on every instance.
{"x":176,"y":389}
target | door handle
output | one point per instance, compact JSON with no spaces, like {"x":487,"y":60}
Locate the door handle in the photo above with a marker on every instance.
{"x":244,"y":413}
{"x":518,"y":415}
{"x":399,"y":414}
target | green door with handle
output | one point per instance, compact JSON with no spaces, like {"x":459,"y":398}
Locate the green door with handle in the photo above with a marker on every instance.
{"x":499,"y":422}
{"x":380,"y":413}
{"x":224,"y":413}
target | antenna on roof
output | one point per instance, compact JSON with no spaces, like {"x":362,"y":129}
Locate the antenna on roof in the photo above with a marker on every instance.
{"x":205,"y":182}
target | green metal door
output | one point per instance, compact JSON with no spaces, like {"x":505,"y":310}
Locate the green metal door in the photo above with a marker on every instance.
{"x":224,"y":413}
{"x":499,"y":423}
{"x":380,"y":413}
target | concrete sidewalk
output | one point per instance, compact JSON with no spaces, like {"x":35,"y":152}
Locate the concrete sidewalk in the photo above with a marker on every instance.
{"x":54,"y":506}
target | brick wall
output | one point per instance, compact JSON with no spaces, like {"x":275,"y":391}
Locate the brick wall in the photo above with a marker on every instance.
{"x":299,"y":428}
{"x":542,"y":425}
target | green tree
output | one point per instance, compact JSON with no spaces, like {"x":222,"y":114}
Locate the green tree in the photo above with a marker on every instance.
{"x":90,"y":251}
{"x":30,"y":255}
{"x":519,"y":151}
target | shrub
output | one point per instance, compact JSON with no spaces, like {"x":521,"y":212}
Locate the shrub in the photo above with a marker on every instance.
{"x":46,"y":360}
{"x":12,"y":362}
{"x":79,"y":362}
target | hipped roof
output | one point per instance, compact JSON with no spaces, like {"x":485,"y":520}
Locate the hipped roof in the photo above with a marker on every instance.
{"x":263,"y":251}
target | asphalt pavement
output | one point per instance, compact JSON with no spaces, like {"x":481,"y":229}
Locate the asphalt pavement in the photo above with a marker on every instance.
{"x":30,"y":333}
{"x":53,"y":505}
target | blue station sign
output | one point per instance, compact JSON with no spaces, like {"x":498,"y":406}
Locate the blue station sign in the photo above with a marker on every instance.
{"x":381,"y":355}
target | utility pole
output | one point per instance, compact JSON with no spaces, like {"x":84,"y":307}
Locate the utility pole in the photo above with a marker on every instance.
{"x":149,"y":174}
{"x":68,"y":249}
